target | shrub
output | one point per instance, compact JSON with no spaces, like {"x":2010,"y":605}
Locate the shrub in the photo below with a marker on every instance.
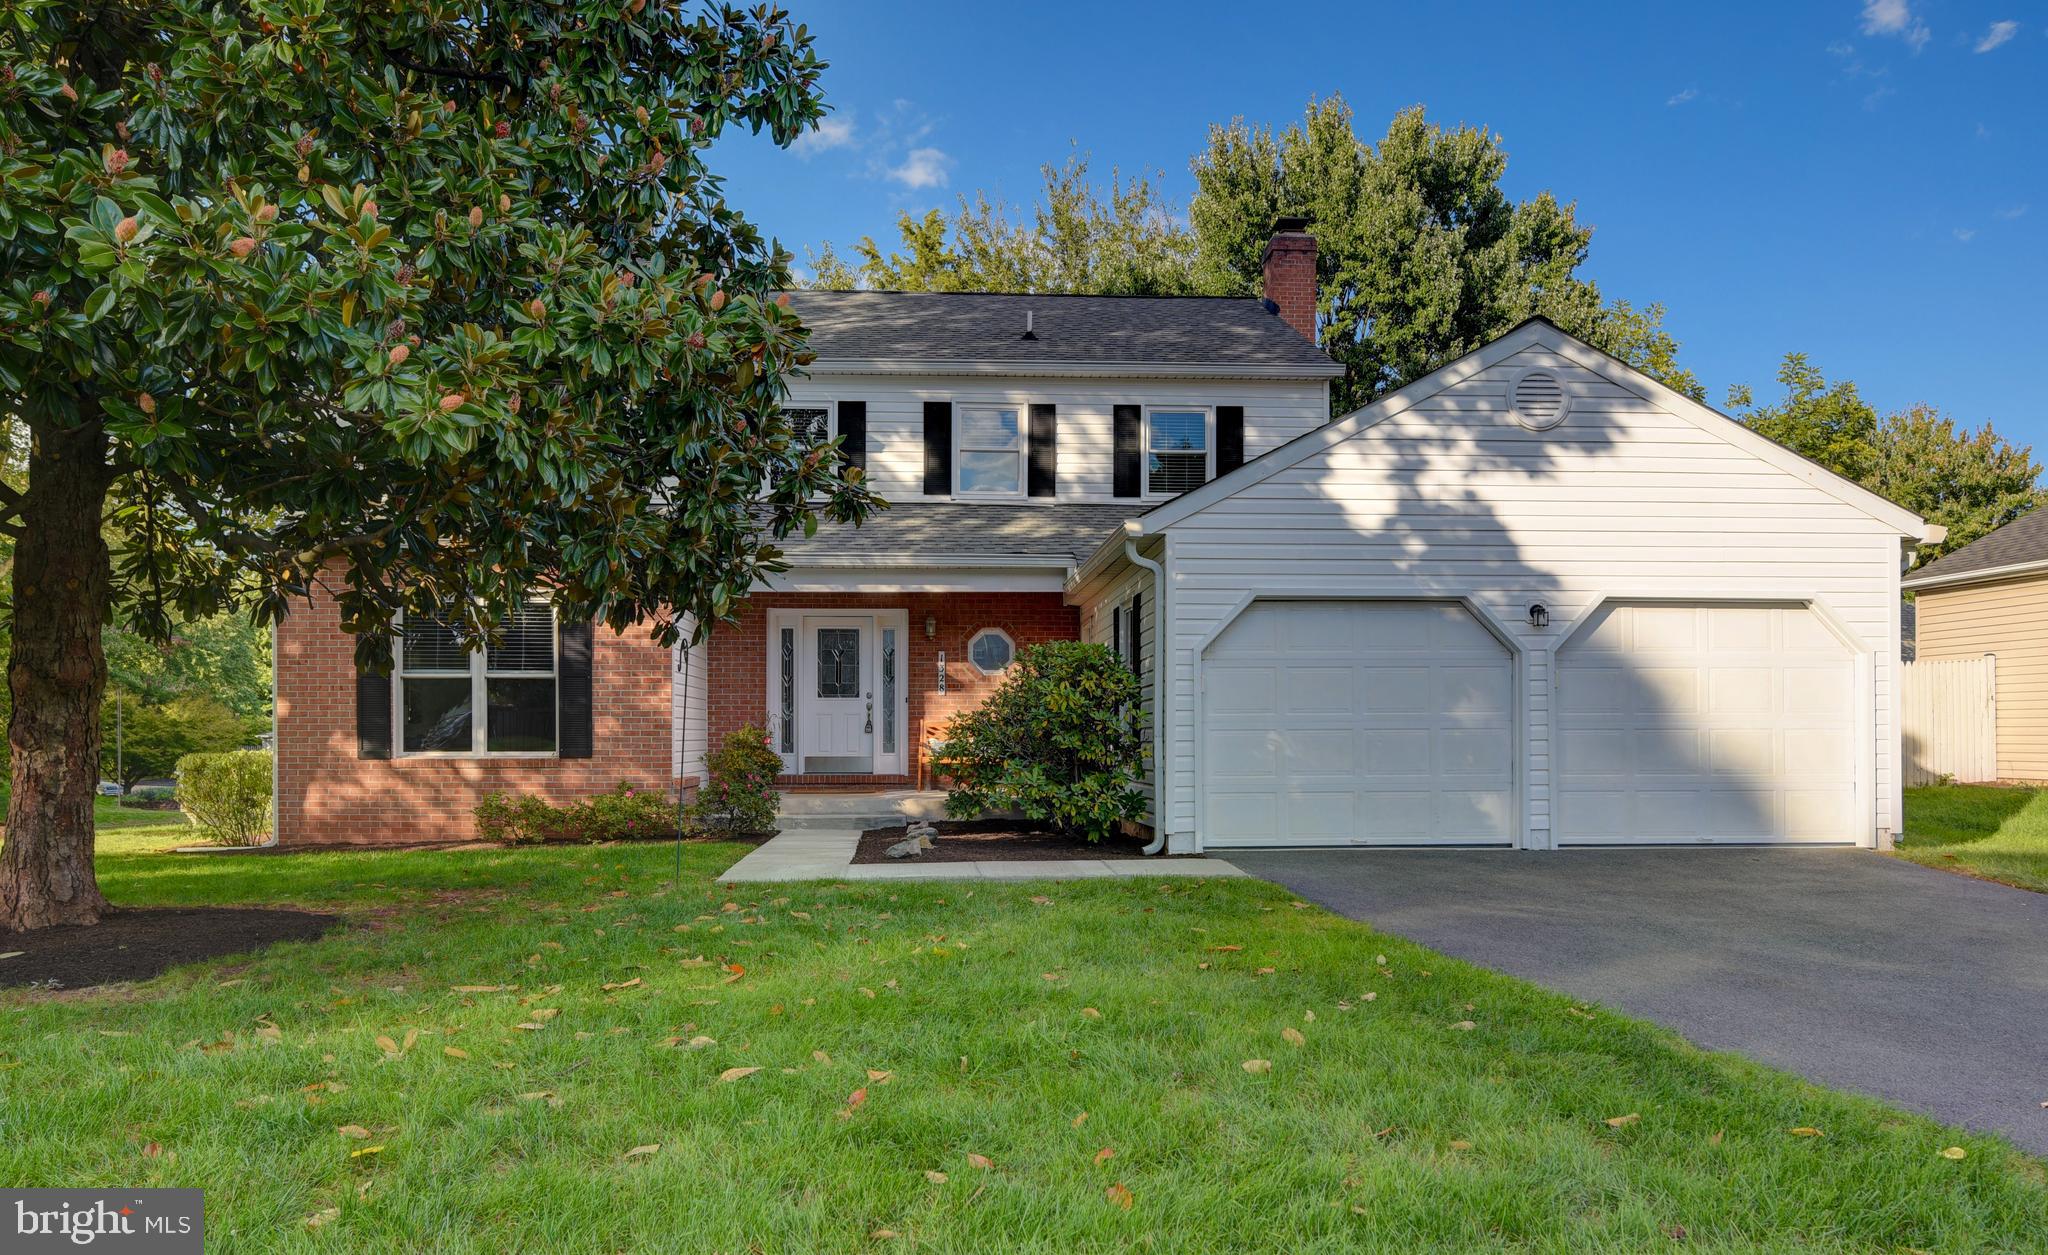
{"x":738,"y":794}
{"x":624,"y":814}
{"x":227,"y":795}
{"x":1060,"y":740}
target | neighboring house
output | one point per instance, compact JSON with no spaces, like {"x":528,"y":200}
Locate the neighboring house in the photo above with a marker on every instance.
{"x":1990,"y":597}
{"x":1534,"y":599}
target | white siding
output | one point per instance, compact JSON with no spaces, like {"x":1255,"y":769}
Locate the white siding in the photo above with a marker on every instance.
{"x":1275,"y":411}
{"x":689,"y":728}
{"x":1451,"y":497}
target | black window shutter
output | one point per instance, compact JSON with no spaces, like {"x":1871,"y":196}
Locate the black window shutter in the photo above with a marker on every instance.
{"x":572,"y":692}
{"x":373,"y":715}
{"x":853,"y":433}
{"x":1045,"y":451}
{"x":1137,"y":645}
{"x":1229,"y":438}
{"x":938,"y":448}
{"x":1116,"y":628}
{"x":1130,"y":431}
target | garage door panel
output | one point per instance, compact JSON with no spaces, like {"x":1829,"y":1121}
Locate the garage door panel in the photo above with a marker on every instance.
{"x":1383,"y":722}
{"x":1771,"y":754}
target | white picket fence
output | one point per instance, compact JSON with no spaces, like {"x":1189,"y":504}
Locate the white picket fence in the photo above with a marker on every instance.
{"x":1949,"y":715}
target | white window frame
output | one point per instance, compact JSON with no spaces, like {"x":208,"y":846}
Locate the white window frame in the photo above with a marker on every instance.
{"x":991,"y":631}
{"x":831,"y":409}
{"x":960,"y":446}
{"x":480,"y":676}
{"x":1208,"y":413}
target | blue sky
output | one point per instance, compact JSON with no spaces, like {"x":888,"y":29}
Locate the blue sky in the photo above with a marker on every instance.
{"x":1862,"y":180}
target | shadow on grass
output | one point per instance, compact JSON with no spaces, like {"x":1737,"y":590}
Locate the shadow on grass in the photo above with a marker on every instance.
{"x":1944,"y":815}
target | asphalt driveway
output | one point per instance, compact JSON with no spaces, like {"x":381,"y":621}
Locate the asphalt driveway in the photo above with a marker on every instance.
{"x":1849,"y":968}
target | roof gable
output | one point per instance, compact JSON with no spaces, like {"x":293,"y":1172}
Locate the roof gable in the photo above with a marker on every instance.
{"x":1537,"y":333}
{"x":2019,"y":546}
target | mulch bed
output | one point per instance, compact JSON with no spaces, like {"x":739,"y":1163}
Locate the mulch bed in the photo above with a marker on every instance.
{"x":140,"y":944}
{"x":998,"y":841}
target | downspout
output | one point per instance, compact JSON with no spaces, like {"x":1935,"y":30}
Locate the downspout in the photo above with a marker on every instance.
{"x":1159,"y":622}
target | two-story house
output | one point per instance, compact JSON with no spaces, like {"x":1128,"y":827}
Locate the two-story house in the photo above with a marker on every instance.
{"x":1533,"y":599}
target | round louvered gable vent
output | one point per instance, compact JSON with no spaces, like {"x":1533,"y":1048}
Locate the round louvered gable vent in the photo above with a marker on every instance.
{"x":1538,"y":399}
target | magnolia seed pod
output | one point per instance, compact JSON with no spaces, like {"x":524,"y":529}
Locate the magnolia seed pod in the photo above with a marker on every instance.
{"x":125,"y":229}
{"x":266,"y":213}
{"x":504,"y":203}
{"x":538,"y":308}
{"x":243,"y":247}
{"x":452,"y":402}
{"x":146,"y":403}
{"x":399,"y":353}
{"x":476,"y":215}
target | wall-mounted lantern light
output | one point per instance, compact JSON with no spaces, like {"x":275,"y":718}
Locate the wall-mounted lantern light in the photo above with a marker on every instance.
{"x":1539,"y":616}
{"x":931,"y":627}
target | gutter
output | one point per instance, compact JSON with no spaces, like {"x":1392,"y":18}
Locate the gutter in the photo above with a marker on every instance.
{"x":1978,"y":576}
{"x":1160,"y":619}
{"x":1073,"y":370}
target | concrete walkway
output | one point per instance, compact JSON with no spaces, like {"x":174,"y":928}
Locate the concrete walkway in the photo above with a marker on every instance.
{"x":1850,"y":968}
{"x":802,"y":853}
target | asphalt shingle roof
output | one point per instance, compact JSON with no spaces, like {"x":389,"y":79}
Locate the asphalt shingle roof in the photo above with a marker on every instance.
{"x":2025,"y":539}
{"x":1101,"y":330}
{"x":956,"y":532}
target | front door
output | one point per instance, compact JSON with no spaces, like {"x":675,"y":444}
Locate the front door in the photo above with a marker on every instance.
{"x":836,"y":687}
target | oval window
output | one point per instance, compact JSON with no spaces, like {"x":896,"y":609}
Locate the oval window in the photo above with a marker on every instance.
{"x":990,"y":651}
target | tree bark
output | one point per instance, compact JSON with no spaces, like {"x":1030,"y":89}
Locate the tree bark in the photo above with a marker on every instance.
{"x":57,"y":675}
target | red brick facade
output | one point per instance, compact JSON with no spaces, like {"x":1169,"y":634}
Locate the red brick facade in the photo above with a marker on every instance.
{"x":325,"y":793}
{"x":738,"y":660}
{"x":1290,"y":275}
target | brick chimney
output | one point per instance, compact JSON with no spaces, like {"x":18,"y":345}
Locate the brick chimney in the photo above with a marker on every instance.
{"x":1290,"y":266}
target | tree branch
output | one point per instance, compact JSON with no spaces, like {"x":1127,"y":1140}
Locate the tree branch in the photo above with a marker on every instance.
{"x":446,"y":71}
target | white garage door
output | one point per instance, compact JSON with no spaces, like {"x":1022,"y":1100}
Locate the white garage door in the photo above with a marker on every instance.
{"x":1686,"y":723}
{"x":1335,"y":723}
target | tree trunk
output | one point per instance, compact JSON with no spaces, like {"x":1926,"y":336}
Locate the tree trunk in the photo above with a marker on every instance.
{"x":57,"y":674}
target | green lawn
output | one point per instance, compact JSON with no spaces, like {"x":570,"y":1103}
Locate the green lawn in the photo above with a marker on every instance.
{"x":1997,"y":833}
{"x":971,"y":1067}
{"x":108,"y":813}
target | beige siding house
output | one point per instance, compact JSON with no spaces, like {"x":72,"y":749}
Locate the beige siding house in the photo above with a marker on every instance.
{"x":1991,"y":597}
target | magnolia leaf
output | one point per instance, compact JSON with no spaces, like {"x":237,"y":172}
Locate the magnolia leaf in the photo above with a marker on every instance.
{"x":1293,"y":1036}
{"x":936,"y":1177}
{"x":1091,"y":1013}
{"x":982,"y":1162}
{"x":386,"y":1045}
{"x":640,"y":1151}
{"x":1105,"y":1155}
{"x":734,"y":1074}
{"x":1257,"y":1066}
{"x":1954,"y":1152}
{"x":455,"y":1052}
{"x":321,"y":1217}
{"x":1806,"y":1130}
{"x":1620,"y":1122}
{"x":1120,"y":1195}
{"x":355,"y":1131}
{"x":367,"y":1150}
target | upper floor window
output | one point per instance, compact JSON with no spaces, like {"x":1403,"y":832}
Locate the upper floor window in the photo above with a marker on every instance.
{"x":811,"y":423}
{"x":499,"y":700}
{"x":991,"y":458}
{"x":1178,"y":452}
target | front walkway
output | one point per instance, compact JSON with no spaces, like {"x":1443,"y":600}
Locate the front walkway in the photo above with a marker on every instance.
{"x":800,"y":853}
{"x":1853,"y":969}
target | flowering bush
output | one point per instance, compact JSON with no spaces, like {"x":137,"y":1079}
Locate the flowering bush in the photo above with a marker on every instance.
{"x":624,"y":814}
{"x":1059,"y":741}
{"x":739,"y":795}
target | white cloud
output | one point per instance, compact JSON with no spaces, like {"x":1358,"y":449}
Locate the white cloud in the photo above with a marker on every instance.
{"x":1895,"y":17}
{"x":828,"y":134}
{"x":1685,"y":97}
{"x":1876,"y":98}
{"x":1965,"y":234}
{"x":2011,"y":212}
{"x":1996,"y":34}
{"x":924,"y":167}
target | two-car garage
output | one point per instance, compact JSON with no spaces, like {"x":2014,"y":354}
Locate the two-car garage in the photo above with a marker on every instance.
{"x":1393,"y":722}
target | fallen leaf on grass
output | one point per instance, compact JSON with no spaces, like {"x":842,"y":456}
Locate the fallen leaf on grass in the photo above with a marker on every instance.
{"x":623,"y":984}
{"x":1119,"y":1194}
{"x":982,"y":1162}
{"x":1459,"y":1143}
{"x":936,"y":1177}
{"x":639,"y":1151}
{"x":547,"y":1013}
{"x":1619,"y":1122}
{"x":1806,"y":1131}
{"x":13,"y":954}
{"x":1256,"y":1066}
{"x":482,"y":989}
{"x":354,"y":1130}
{"x":367,"y":1150}
{"x":1293,"y":1036}
{"x":1715,"y":1139}
{"x":880,"y":1077}
{"x":455,"y":1052}
{"x":386,"y":1045}
{"x":412,"y":1035}
{"x":529,"y":1027}
{"x":322,"y":1216}
{"x":699,"y":1042}
{"x":1039,"y":899}
{"x":1223,"y":949}
{"x":1105,"y":1155}
{"x":1954,"y":1152}
{"x":734,"y":1074}
{"x":884,"y":1234}
{"x":1464,"y":1026}
{"x":1080,"y":1120}
{"x":821,"y":1057}
{"x":1091,"y":1013}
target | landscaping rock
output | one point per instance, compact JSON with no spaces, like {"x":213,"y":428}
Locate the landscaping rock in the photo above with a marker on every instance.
{"x":908,"y":847}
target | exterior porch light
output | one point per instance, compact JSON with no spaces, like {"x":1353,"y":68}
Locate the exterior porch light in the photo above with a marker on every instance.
{"x":1539,"y":616}
{"x":931,"y":627}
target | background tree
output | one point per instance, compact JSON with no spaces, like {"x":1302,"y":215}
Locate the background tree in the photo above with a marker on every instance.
{"x":155,"y":735}
{"x":1072,"y":239}
{"x":1971,"y":482}
{"x":435,"y":305}
{"x":1421,"y":256}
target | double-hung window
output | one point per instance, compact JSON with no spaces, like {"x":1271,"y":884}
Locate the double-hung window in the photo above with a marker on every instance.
{"x":496,"y":700}
{"x":1178,"y":451}
{"x":991,"y":457}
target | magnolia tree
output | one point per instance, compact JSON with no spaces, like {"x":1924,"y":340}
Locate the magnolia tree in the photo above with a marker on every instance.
{"x":432,"y":302}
